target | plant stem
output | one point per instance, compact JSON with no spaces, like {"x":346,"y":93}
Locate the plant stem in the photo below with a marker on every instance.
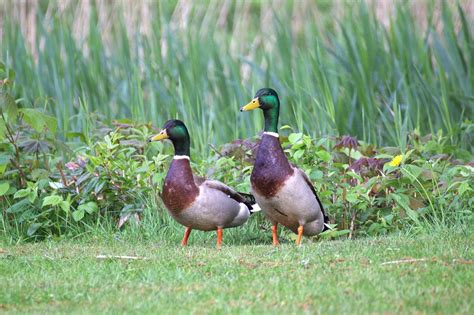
{"x":352,"y":226}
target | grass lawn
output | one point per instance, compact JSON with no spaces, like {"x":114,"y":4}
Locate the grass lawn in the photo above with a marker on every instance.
{"x":325,"y":277}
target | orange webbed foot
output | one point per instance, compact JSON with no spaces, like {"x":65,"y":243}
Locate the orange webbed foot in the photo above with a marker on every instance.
{"x":275,"y":235}
{"x":184,"y":242}
{"x":300,"y":235}
{"x":219,"y":238}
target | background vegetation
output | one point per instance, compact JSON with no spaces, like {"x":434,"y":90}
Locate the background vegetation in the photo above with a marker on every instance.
{"x":377,"y":108}
{"x":84,"y":83}
{"x":372,"y":70}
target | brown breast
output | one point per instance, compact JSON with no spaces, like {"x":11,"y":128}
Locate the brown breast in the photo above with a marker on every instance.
{"x":179,"y":189}
{"x":271,"y":168}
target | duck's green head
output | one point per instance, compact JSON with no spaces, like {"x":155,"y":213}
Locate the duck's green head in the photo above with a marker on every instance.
{"x":267,"y":100}
{"x":176,"y":131}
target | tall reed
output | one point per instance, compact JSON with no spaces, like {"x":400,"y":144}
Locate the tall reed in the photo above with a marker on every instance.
{"x":339,"y":67}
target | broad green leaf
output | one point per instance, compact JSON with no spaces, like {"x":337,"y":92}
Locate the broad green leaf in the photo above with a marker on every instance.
{"x":4,"y":188}
{"x":32,"y":196}
{"x":412,"y":171}
{"x":352,"y":197}
{"x":11,"y":107}
{"x":294,"y":137}
{"x":81,"y":136}
{"x":22,"y":193}
{"x":4,"y":158}
{"x":402,"y":200}
{"x":298,"y":154}
{"x":354,"y":175}
{"x":39,"y":173}
{"x":33,"y":118}
{"x":42,"y":184}
{"x":324,"y":155}
{"x":38,"y":120}
{"x":78,"y":215}
{"x":51,"y":123}
{"x":53,"y":200}
{"x":3,"y":167}
{"x":307,"y":140}
{"x":89,"y":207}
{"x":33,"y":228}
{"x":388,"y":168}
{"x":316,"y":175}
{"x":355,"y":155}
{"x":65,"y":205}
{"x":19,"y":206}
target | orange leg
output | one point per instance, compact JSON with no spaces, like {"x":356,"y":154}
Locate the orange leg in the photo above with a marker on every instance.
{"x":300,"y":235}
{"x":219,"y":238}
{"x":275,"y":234}
{"x":184,"y":242}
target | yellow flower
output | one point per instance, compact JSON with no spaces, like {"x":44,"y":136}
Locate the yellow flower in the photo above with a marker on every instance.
{"x":396,"y":160}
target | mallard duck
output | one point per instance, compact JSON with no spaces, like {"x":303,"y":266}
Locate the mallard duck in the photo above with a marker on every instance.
{"x":195,"y":202}
{"x":283,"y":191}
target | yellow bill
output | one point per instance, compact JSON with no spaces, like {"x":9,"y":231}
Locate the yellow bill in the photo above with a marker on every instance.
{"x":161,"y":136}
{"x":251,"y":106}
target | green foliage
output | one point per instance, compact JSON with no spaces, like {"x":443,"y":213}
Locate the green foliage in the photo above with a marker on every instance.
{"x":109,"y":181}
{"x":52,"y":188}
{"x":362,"y":192}
{"x":41,"y":195}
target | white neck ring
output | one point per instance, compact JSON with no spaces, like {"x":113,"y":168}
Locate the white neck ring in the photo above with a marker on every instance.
{"x":273,"y":134}
{"x":181,"y":157}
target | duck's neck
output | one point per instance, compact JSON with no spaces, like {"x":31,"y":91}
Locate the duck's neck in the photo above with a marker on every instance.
{"x":181,"y":147}
{"x":271,"y":119}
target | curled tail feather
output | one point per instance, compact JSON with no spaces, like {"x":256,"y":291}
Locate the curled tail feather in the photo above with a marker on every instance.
{"x":250,"y":202}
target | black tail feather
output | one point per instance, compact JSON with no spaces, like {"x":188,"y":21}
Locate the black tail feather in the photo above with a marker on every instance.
{"x":326,"y":219}
{"x":249,"y":200}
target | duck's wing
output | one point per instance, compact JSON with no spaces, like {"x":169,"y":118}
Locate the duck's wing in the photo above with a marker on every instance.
{"x":247,"y":199}
{"x":310,"y":184}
